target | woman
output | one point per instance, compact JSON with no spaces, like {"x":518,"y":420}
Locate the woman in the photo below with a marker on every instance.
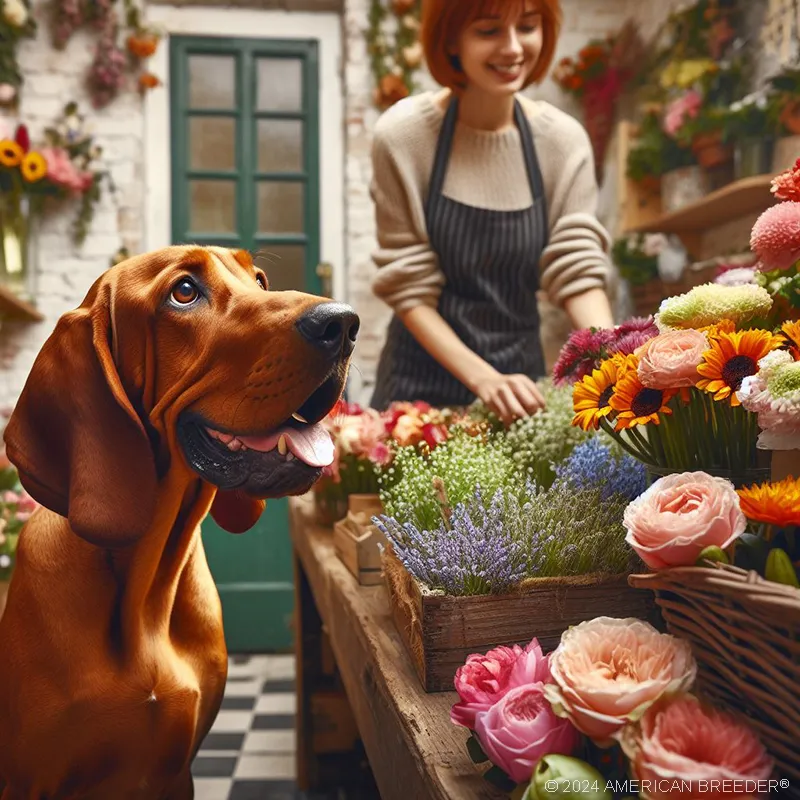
{"x":482,"y":197}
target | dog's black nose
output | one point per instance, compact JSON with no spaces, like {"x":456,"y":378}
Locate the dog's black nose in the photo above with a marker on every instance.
{"x":332,"y":327}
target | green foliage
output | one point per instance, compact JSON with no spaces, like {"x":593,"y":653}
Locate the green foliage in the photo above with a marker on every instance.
{"x":634,"y":265}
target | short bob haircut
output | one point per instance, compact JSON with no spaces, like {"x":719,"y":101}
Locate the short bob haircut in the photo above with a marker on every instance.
{"x":444,"y":20}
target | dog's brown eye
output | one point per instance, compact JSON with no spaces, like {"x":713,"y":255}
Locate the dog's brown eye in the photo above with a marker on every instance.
{"x":261,"y":281}
{"x":185,"y":292}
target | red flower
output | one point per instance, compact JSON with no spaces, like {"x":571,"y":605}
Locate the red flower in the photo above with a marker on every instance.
{"x":22,"y":138}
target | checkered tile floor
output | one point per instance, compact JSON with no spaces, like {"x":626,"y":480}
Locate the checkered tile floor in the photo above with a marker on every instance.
{"x":249,"y":753}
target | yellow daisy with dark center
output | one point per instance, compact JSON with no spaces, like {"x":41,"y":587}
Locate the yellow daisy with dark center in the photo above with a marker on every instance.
{"x":731,"y":358}
{"x":10,"y":153}
{"x":635,"y":403}
{"x":591,"y":394}
{"x":34,"y":167}
{"x":791,"y":333}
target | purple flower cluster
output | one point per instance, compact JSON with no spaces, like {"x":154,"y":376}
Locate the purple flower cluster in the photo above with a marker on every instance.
{"x":106,"y":75}
{"x":474,"y":552}
{"x":592,"y":465}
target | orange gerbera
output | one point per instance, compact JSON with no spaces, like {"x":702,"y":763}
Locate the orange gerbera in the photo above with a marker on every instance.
{"x":772,"y":503}
{"x":635,"y":403}
{"x":731,"y":358}
{"x":791,"y":333}
{"x":723,"y":326}
{"x":591,"y":394}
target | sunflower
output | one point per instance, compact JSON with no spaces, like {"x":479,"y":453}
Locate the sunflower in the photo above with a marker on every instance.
{"x":791,"y":334}
{"x":637,"y":404}
{"x":731,"y":358}
{"x":591,"y":394}
{"x":34,"y":167}
{"x":772,"y":503}
{"x":10,"y":153}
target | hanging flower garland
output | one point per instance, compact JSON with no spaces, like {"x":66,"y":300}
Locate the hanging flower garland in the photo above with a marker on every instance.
{"x":16,"y":22}
{"x":396,"y":56}
{"x":106,"y":77}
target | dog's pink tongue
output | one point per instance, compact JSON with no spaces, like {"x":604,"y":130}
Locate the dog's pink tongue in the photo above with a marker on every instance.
{"x":312,"y":444}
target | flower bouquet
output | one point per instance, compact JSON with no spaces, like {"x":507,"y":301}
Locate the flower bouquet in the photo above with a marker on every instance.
{"x":609,"y":714}
{"x":725,"y":573}
{"x":673,"y":402}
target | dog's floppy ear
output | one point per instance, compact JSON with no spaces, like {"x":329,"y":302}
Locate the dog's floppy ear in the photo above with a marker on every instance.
{"x":235,"y":511}
{"x":79,"y":446}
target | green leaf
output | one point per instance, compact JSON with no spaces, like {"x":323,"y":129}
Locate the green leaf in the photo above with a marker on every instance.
{"x":498,"y":778}
{"x":475,"y":750}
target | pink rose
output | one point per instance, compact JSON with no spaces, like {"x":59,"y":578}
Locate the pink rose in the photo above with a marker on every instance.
{"x":679,"y":516}
{"x":670,"y":360}
{"x":607,"y":671}
{"x":678,"y":111}
{"x":521,"y":728}
{"x":682,"y":741}
{"x":61,"y":170}
{"x":483,"y":680}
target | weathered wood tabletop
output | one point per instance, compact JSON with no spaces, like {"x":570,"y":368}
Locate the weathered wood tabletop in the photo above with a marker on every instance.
{"x":414,"y":751}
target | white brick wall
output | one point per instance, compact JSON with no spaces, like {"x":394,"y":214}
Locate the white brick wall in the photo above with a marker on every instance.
{"x":52,"y":78}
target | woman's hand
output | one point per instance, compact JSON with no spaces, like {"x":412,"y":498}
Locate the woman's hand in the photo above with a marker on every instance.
{"x":511,"y":396}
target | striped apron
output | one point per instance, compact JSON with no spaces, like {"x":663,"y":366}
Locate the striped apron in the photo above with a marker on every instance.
{"x":490,"y":260}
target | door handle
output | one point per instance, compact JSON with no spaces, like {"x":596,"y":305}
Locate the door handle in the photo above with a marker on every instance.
{"x":325,"y":275}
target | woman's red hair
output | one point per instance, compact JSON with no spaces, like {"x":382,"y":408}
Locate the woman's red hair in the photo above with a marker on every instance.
{"x":444,"y":20}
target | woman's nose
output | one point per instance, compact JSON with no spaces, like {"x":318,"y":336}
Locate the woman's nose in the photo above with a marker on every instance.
{"x":511,"y":43}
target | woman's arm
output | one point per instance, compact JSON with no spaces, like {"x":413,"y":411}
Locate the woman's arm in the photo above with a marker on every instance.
{"x":589,"y":309}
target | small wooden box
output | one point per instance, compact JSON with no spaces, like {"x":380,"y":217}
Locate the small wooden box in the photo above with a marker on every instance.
{"x":440,"y":631}
{"x":356,"y":539}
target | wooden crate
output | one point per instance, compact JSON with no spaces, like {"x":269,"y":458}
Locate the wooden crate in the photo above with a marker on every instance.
{"x":356,"y":539}
{"x":440,"y":632}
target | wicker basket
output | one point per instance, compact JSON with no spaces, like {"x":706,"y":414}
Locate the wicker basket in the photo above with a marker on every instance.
{"x":745,"y":634}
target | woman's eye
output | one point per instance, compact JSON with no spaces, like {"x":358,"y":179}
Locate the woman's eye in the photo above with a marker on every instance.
{"x":487,"y":31}
{"x":185,"y":292}
{"x":261,"y":281}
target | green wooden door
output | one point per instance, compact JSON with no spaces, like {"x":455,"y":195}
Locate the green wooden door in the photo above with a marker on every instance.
{"x":245,"y":173}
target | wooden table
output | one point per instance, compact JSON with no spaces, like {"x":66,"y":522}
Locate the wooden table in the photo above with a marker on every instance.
{"x":414,"y":751}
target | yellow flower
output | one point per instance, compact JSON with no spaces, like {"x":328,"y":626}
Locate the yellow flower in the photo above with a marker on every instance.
{"x":635,"y":403}
{"x":10,"y":153}
{"x":34,"y":167}
{"x":791,"y":333}
{"x":731,"y":358}
{"x":772,"y":503}
{"x":591,"y":394}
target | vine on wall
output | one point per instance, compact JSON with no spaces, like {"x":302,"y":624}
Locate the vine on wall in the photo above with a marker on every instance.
{"x":107,"y":75}
{"x":16,"y":23}
{"x":395,"y":51}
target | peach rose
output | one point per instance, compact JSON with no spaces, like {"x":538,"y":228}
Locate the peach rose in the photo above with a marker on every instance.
{"x":680,"y":515}
{"x":680,"y":745}
{"x":606,"y":672}
{"x":670,"y":360}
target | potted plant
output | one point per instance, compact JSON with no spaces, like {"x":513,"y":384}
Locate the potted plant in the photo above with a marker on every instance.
{"x":785,"y":104}
{"x":636,"y":257}
{"x":748,"y":124}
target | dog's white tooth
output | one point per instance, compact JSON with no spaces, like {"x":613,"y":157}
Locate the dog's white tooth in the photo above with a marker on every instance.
{"x":282,"y":448}
{"x":225,"y":438}
{"x":290,"y":456}
{"x":299,"y":418}
{"x":235,"y":444}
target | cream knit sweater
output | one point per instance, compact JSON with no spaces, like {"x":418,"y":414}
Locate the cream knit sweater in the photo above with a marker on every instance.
{"x":486,"y":169}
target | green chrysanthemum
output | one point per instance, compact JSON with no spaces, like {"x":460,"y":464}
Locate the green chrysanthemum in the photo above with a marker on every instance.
{"x":709,"y":303}
{"x":784,"y":382}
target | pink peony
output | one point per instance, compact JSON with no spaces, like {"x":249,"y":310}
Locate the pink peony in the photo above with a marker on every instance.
{"x":520,"y":729}
{"x":687,"y":106}
{"x":607,"y":671}
{"x":483,"y":680}
{"x":775,"y":237}
{"x":61,"y":170}
{"x":683,"y":741}
{"x":670,"y":360}
{"x":679,"y":516}
{"x":786,"y":186}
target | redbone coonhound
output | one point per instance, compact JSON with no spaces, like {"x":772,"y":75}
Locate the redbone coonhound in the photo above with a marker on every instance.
{"x":180,"y":387}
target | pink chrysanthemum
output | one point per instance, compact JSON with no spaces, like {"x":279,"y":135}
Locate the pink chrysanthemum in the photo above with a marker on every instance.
{"x":632,"y":334}
{"x":775,"y":238}
{"x":582,"y":353}
{"x":786,"y":186}
{"x":639,"y":324}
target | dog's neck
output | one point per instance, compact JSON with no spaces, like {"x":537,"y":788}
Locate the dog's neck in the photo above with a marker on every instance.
{"x":156,"y":563}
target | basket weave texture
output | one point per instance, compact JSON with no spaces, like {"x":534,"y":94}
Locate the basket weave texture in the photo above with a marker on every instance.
{"x":745,"y":635}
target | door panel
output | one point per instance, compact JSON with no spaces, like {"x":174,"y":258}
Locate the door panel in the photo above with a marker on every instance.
{"x":245,"y":173}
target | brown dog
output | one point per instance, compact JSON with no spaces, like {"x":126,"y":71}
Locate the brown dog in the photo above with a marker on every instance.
{"x":180,"y":386}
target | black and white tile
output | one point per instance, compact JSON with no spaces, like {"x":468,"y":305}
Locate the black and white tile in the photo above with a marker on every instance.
{"x":250,"y":752}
